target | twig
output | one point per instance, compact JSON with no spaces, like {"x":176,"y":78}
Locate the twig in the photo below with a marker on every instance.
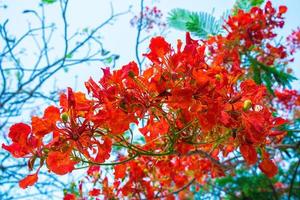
{"x":139,"y":29}
{"x":178,"y":190}
{"x":293,"y":180}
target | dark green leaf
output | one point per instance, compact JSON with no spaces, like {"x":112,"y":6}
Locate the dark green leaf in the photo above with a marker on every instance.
{"x":246,"y":4}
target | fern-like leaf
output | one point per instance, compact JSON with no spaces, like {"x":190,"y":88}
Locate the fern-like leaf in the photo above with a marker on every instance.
{"x":246,"y":4}
{"x":200,"y":24}
{"x":270,"y":75}
{"x":178,"y":18}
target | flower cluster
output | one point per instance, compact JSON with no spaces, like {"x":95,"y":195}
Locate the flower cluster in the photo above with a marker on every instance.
{"x":250,"y":34}
{"x":191,"y":109}
{"x":294,"y":40}
{"x":288,"y":98}
{"x":150,"y":18}
{"x":194,"y":112}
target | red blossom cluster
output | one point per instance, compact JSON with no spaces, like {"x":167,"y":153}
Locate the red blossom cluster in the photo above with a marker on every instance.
{"x":150,"y":18}
{"x":250,"y":32}
{"x":294,"y":41}
{"x":289,"y":98}
{"x":193,"y":108}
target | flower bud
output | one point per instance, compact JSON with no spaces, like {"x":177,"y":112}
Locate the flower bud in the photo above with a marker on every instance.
{"x":218,"y":77}
{"x":31,"y":163}
{"x":131,"y":74}
{"x":64,"y":117}
{"x":45,"y":150}
{"x":247,"y":104}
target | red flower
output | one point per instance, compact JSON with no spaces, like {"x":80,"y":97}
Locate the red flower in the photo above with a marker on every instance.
{"x":158,"y":49}
{"x":293,"y":41}
{"x":28,"y":181}
{"x":45,"y":125}
{"x":93,"y":170}
{"x":23,"y":141}
{"x":120,"y":171}
{"x":69,"y":196}
{"x":94,"y":192}
{"x":19,"y":133}
{"x":287,"y":97}
{"x":282,"y":10}
{"x":60,"y":162}
{"x":199,"y":104}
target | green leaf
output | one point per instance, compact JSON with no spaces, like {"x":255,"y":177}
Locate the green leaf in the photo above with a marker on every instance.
{"x":69,"y":55}
{"x":85,"y":30}
{"x":256,"y":74}
{"x":48,"y":1}
{"x":108,"y":60}
{"x":178,"y":18}
{"x":246,"y":4}
{"x":268,"y":81}
{"x":270,"y":75}
{"x":200,"y":24}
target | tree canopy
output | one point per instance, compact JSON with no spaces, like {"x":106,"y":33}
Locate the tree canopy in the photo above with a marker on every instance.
{"x":213,"y":115}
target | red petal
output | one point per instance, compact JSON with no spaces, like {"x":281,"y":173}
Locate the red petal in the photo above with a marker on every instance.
{"x":249,"y":153}
{"x":189,"y":40}
{"x":93,"y":87}
{"x":278,"y":121}
{"x":60,"y":162}
{"x":28,"y":181}
{"x":69,"y":197}
{"x":94,"y":192}
{"x":71,"y":98}
{"x":93,"y":170}
{"x":63,"y":101}
{"x":268,"y":167}
{"x":19,"y":132}
{"x":282,"y":9}
{"x":159,"y":48}
{"x":276,"y":133}
{"x":52,"y":113}
{"x":225,"y":118}
{"x":104,"y":150}
{"x":40,"y":127}
{"x":16,"y":150}
{"x":120,"y":171}
{"x":130,"y":68}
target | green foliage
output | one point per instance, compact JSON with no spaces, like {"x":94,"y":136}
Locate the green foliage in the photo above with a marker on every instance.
{"x":48,"y":1}
{"x":200,"y":24}
{"x":269,"y":75}
{"x":246,"y":4}
{"x":178,"y":18}
{"x":247,"y":186}
{"x":73,"y":189}
{"x":69,"y":55}
{"x":250,"y":185}
{"x":108,"y":60}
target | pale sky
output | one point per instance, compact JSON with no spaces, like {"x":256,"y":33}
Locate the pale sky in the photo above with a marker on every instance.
{"x":120,"y":37}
